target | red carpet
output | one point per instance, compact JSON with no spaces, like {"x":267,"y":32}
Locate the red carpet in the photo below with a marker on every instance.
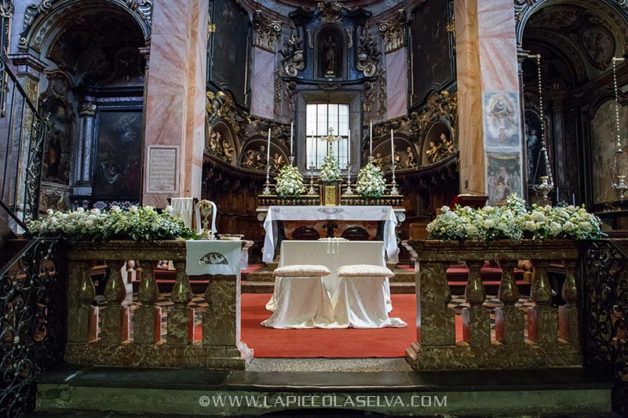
{"x":339,"y":343}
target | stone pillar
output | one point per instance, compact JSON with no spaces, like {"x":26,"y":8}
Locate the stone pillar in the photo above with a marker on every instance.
{"x":489,"y":111}
{"x":175,"y":95}
{"x":85,"y":149}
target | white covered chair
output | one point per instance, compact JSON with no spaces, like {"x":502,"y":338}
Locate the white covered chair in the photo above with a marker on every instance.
{"x":301,"y":300}
{"x":361,"y":301}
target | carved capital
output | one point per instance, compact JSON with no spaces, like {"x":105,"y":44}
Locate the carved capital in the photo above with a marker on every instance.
{"x":6,"y":8}
{"x":394,"y":31}
{"x":292,"y":60}
{"x":266,"y":31}
{"x":330,"y":10}
{"x":87,"y":109}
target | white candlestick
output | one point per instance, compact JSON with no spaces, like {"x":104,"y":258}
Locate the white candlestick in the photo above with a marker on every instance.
{"x":371,"y":139}
{"x":392,"y":150}
{"x":291,"y":138}
{"x":348,"y":148}
{"x":268,"y":150}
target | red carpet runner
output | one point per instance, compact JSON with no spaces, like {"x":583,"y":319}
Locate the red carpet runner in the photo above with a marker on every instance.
{"x":339,"y":343}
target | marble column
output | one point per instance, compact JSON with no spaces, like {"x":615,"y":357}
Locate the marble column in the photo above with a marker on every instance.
{"x":84,"y":150}
{"x":489,"y":109}
{"x":175,"y":96}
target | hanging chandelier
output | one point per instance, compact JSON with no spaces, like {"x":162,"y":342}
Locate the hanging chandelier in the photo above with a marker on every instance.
{"x":547,"y":181}
{"x":619,"y":180}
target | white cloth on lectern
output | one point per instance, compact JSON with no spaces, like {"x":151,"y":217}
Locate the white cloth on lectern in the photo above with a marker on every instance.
{"x":183,"y":207}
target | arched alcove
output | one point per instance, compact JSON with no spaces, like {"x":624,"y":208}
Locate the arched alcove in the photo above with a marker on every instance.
{"x":330,"y":52}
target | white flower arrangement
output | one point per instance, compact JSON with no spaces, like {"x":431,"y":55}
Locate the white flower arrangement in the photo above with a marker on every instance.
{"x":289,"y":181}
{"x":371,"y":181}
{"x":330,"y":170}
{"x":513,"y":222}
{"x":136,"y":223}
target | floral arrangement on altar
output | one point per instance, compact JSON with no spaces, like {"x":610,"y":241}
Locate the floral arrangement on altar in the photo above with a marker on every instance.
{"x":371,"y":181}
{"x":137,"y":223}
{"x":330,"y":170}
{"x":289,"y":181}
{"x":514,"y":222}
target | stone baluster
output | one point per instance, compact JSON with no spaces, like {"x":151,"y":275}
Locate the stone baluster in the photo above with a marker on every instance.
{"x":178,"y":314}
{"x":114,"y":313}
{"x":476,"y":319}
{"x":568,"y":313}
{"x":78,"y":323}
{"x":509,"y":320}
{"x":542,"y":318}
{"x":147,"y":317}
{"x":436,"y":322}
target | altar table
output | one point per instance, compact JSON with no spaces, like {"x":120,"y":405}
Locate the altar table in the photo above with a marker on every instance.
{"x":385,"y":214}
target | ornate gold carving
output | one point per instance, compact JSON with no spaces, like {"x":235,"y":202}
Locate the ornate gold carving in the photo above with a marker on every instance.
{"x":368,"y":54}
{"x":266,"y":31}
{"x":292,"y":60}
{"x":330,"y":10}
{"x":394,"y":31}
{"x":87,"y":109}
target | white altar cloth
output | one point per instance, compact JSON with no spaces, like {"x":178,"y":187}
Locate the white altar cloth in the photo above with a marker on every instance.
{"x":360,"y":302}
{"x":336,"y":213}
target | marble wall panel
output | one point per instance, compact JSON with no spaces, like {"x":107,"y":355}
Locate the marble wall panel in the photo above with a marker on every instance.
{"x":262,"y":83}
{"x":397,"y":83}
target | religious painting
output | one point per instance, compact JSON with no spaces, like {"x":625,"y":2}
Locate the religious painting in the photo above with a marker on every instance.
{"x":58,"y":142}
{"x":118,"y":170}
{"x":599,"y":45}
{"x":432,"y":58}
{"x":501,"y":123}
{"x":503,"y":176}
{"x":535,"y":158}
{"x":603,"y":148}
{"x":229,"y":49}
{"x":438,"y":143}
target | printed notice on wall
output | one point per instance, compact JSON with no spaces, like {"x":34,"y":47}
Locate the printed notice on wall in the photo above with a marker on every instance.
{"x":162,"y":169}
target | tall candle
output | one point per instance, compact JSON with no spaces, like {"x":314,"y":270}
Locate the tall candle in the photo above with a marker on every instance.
{"x":268,"y":150}
{"x":348,"y":148}
{"x":371,"y":139}
{"x":291,"y":138}
{"x":392,"y":150}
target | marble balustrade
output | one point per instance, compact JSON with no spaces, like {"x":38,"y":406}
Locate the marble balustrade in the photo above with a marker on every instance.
{"x":540,"y":336}
{"x":128,"y":333}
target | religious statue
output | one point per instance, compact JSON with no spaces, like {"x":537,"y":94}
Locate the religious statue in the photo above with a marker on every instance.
{"x":249,"y":159}
{"x":214,"y":142}
{"x":277,"y":161}
{"x":377,"y":160}
{"x":329,"y":58}
{"x":410,"y":163}
{"x":227,"y":149}
{"x":432,"y":152}
{"x":447,"y":145}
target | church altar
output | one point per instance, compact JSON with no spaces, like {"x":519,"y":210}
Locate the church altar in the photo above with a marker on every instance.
{"x":390,"y":216}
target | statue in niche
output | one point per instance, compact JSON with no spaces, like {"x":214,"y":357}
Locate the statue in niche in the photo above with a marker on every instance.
{"x":377,"y":160}
{"x":329,"y":58}
{"x":227,"y":149}
{"x":214,"y":142}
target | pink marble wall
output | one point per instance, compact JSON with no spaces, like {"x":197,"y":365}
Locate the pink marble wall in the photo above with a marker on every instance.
{"x":397,"y":83}
{"x":263,"y":83}
{"x":175,"y":90}
{"x":486,"y":51}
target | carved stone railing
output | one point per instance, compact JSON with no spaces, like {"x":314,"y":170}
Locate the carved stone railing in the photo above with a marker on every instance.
{"x":552,"y":338}
{"x":111,"y":343}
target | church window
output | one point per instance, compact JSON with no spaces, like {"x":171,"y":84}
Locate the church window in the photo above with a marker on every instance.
{"x":322,"y":120}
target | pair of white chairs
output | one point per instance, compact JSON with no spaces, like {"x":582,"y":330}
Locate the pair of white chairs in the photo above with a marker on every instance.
{"x":360,"y":301}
